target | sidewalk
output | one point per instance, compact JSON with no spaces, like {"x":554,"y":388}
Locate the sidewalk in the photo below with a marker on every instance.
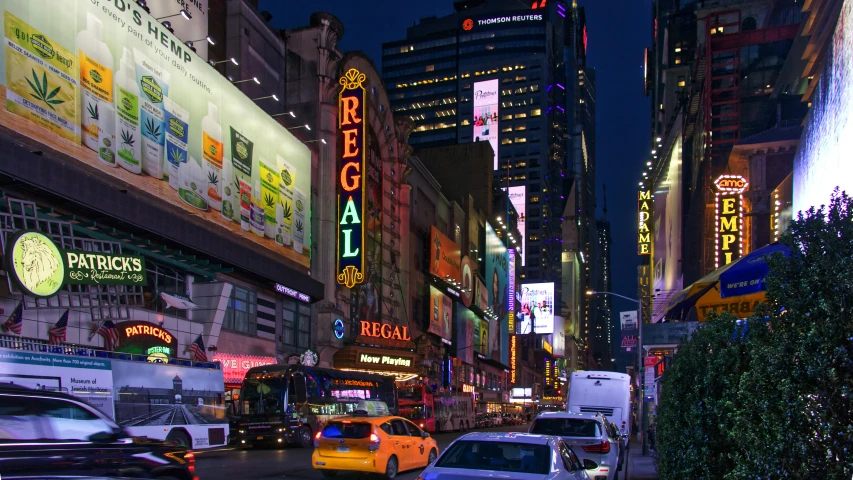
{"x":640,"y":467}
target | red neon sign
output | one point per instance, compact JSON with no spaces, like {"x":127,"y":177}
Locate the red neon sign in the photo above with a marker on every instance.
{"x":384,"y":330}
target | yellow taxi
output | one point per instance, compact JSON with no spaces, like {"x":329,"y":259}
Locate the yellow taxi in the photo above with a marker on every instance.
{"x":383,"y":444}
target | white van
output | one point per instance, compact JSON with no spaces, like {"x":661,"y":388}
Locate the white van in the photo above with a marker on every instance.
{"x":608,"y":393}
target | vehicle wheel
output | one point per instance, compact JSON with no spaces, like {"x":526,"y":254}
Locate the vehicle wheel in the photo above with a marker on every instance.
{"x":432,"y":456}
{"x":329,"y":473}
{"x":180,"y":438}
{"x":391,"y":468}
{"x":305,"y":439}
{"x":461,"y":426}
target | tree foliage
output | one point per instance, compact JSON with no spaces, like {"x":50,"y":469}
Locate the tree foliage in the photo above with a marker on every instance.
{"x":784,"y":407}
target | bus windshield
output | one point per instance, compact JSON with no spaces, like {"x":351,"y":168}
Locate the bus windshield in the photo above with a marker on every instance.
{"x":415,"y":393}
{"x":412,"y":412}
{"x":262,"y":395}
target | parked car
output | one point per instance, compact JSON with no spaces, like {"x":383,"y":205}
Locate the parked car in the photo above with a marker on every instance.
{"x":376,"y":444}
{"x":481,"y":421}
{"x":620,"y":439}
{"x":44,"y":434}
{"x":587,"y":434}
{"x":495,"y":419}
{"x":513,"y":455}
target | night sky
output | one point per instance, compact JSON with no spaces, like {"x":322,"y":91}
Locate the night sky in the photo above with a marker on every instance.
{"x":618,"y":30}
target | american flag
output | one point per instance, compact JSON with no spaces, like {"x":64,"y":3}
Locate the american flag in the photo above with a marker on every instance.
{"x":16,"y":320}
{"x":109,"y":333}
{"x":197,"y":350}
{"x":57,"y":332}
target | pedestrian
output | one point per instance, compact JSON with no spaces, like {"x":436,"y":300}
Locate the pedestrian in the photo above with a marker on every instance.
{"x":528,"y":417}
{"x":651,"y":433}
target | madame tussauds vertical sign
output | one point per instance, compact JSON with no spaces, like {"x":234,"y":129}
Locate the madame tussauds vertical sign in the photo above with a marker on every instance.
{"x":644,"y":236}
{"x":351,"y":167}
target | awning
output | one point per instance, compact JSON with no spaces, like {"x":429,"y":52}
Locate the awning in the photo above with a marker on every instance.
{"x":680,"y":304}
{"x":746,"y":276}
{"x":177,"y":302}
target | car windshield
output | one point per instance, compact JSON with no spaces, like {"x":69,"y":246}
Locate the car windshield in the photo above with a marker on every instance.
{"x":497,"y":456}
{"x":347,"y":430}
{"x":565,"y":427}
{"x":262,"y":396}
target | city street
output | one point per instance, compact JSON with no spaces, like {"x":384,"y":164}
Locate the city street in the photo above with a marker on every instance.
{"x":289,"y":462}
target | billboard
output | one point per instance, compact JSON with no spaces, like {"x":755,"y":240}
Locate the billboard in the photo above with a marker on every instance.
{"x":106,"y":83}
{"x":630,"y":329}
{"x":194,"y":29}
{"x":497,"y":266}
{"x":445,"y":257}
{"x":822,"y":161}
{"x":485,"y":121}
{"x":537,"y":308}
{"x":467,"y":328}
{"x":518,"y":198}
{"x":667,"y":231}
{"x":440,"y":314}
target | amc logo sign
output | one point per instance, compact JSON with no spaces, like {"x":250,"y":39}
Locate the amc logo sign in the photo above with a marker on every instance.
{"x":731,"y":183}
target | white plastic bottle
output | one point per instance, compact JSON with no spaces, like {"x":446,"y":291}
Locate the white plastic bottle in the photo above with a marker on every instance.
{"x":212,"y":150}
{"x":96,"y":78}
{"x":107,"y":135}
{"x":127,"y":129}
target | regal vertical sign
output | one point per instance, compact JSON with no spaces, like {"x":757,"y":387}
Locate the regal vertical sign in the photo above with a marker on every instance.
{"x":644,"y":231}
{"x":351,"y":167}
{"x":729,"y":218}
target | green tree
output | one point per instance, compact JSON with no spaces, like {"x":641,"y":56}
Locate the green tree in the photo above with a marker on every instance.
{"x":794,"y":415}
{"x":696,"y":412}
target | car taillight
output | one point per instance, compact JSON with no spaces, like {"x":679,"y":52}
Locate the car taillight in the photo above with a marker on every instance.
{"x":374,"y":443}
{"x":190,"y":459}
{"x":603,"y":447}
{"x":317,"y":439}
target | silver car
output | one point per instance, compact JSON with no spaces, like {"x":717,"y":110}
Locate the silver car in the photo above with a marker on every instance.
{"x":587,"y":434}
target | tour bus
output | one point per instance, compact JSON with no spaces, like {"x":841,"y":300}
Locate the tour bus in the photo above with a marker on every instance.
{"x":149,"y":395}
{"x":288,"y":404}
{"x":454,"y":412}
{"x":608,"y":393}
{"x":417,"y":404}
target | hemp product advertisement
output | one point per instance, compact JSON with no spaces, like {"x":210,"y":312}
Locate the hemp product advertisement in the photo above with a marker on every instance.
{"x":107,"y":76}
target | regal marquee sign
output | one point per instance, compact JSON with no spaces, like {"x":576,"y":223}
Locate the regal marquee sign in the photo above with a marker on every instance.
{"x":728,"y":210}
{"x":644,"y":230}
{"x":351,"y":170}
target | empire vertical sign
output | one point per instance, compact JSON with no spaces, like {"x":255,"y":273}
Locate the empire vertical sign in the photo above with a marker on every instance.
{"x":351,"y":168}
{"x":644,"y":236}
{"x":729,"y":218}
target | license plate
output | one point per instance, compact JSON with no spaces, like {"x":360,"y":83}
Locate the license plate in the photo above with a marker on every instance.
{"x":343,"y":449}
{"x":260,"y":438}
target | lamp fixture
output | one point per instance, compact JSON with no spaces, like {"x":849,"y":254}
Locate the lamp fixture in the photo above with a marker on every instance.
{"x":143,"y":5}
{"x":182,"y":13}
{"x":232,"y":60}
{"x":285,"y":113}
{"x":301,"y":126}
{"x":253,"y":79}
{"x":209,"y":40}
{"x":322,"y":140}
{"x":273,"y":96}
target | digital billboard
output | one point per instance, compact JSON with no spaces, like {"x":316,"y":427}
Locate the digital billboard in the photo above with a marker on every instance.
{"x":467,"y":328}
{"x":537,"y":308}
{"x":823,"y":156}
{"x":108,"y":84}
{"x":518,"y":198}
{"x":497,"y":267}
{"x":485,"y":121}
{"x":445,"y":257}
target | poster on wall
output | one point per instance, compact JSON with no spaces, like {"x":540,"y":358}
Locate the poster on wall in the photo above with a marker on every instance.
{"x":536,"y":313}
{"x":485,"y":119}
{"x":518,"y":198}
{"x":108,"y":84}
{"x":497,"y":266}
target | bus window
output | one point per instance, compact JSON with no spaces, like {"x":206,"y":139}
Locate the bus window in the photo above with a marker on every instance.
{"x":300,"y":389}
{"x":428,"y":411}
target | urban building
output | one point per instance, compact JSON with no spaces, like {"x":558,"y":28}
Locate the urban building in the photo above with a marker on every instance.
{"x":601,"y":341}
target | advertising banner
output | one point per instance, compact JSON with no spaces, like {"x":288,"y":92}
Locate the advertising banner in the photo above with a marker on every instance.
{"x":108,"y":84}
{"x":465,"y":342}
{"x":628,"y":321}
{"x":445,"y":258}
{"x":194,"y":29}
{"x":497,"y":267}
{"x":441,"y":314}
{"x":667,"y":232}
{"x":537,"y":308}
{"x":91,"y":379}
{"x":518,"y":198}
{"x":482,"y":297}
{"x":485,"y":121}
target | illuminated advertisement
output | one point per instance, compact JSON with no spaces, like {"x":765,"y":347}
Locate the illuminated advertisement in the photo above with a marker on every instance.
{"x":518,"y":198}
{"x":537,"y":308}
{"x":513,"y":357}
{"x":644,"y":233}
{"x":194,"y":29}
{"x":505,"y":19}
{"x":440,"y":314}
{"x":445,"y":257}
{"x":351,"y":168}
{"x":729,"y":218}
{"x":497,"y":266}
{"x":630,"y":329}
{"x":485,"y":119}
{"x":112,"y":87}
{"x":466,"y":331}
{"x":511,"y":297}
{"x":667,"y":232}
{"x":823,"y":156}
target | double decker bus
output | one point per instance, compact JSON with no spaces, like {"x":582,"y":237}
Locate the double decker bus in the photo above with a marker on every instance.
{"x":288,"y":404}
{"x":416,"y":404}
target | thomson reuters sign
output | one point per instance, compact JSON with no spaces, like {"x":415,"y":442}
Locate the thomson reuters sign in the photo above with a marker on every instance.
{"x":508,"y":19}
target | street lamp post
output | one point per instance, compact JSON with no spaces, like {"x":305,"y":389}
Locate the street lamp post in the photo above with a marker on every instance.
{"x":639,"y":360}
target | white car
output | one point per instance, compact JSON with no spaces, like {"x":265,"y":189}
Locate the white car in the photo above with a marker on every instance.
{"x":517,"y":456}
{"x":586,"y":434}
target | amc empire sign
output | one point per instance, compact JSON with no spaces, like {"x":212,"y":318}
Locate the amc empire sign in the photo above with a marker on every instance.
{"x":351,"y":168}
{"x":729,"y":218}
{"x":644,"y":235}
